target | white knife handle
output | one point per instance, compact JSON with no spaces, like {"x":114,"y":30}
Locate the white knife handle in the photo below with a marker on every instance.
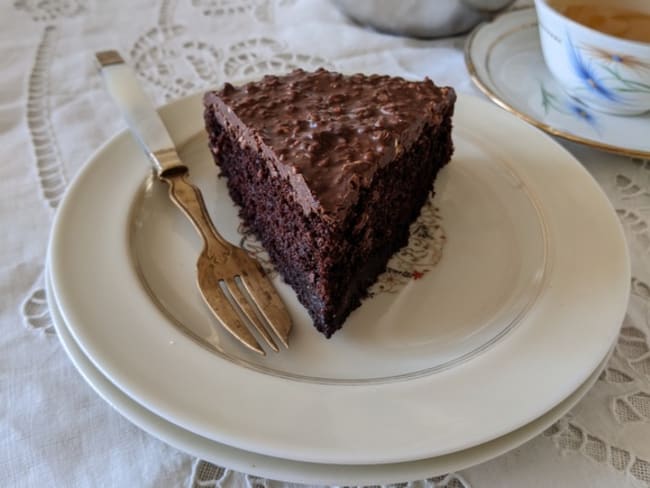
{"x":139,"y":112}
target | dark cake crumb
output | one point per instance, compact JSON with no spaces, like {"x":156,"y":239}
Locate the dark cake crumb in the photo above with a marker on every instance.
{"x":329,"y":172}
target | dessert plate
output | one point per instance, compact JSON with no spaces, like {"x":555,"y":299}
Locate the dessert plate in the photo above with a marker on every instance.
{"x":504,"y":58}
{"x":296,"y":471}
{"x":527,"y":270}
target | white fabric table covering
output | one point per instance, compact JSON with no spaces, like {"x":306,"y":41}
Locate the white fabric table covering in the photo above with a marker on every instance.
{"x":54,"y":430}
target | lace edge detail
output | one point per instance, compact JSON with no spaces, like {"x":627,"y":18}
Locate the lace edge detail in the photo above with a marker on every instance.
{"x":166,"y":14}
{"x":208,"y":475}
{"x":35,"y":310}
{"x":569,"y":436}
{"x":45,"y":11}
{"x":46,"y":151}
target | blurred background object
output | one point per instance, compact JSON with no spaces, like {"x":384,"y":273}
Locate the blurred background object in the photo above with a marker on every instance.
{"x":422,"y":18}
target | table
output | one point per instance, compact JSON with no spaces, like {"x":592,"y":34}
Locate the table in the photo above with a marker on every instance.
{"x":54,"y":113}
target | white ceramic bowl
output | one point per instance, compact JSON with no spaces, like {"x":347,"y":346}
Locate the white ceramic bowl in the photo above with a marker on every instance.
{"x":600,"y":71}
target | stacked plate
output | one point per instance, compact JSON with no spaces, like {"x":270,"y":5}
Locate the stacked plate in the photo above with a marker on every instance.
{"x":497,"y":341}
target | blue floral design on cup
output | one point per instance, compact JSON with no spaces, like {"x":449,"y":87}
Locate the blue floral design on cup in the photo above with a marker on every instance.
{"x":603,"y":72}
{"x":587,"y":74}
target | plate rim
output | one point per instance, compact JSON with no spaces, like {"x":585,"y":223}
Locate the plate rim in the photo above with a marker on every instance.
{"x":485,"y":88}
{"x":228,"y":433}
{"x":251,"y":463}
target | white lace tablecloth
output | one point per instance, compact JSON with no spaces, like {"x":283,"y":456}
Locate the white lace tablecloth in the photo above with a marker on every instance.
{"x":54,"y":429}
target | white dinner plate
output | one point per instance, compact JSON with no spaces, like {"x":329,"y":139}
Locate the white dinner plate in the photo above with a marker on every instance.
{"x":504,"y":58}
{"x":535,"y":262}
{"x":296,"y":471}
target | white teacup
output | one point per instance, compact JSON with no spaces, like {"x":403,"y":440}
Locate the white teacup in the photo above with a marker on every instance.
{"x":606,"y":73}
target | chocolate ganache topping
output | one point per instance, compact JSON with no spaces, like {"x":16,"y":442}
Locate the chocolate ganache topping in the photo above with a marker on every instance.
{"x":329,"y":133}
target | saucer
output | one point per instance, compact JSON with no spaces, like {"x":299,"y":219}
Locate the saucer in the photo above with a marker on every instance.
{"x":505,"y":61}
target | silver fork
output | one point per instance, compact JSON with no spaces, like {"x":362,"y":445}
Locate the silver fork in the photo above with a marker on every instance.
{"x":232,"y":283}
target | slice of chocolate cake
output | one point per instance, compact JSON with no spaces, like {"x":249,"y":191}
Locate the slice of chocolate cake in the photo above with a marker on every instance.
{"x":329,"y":172}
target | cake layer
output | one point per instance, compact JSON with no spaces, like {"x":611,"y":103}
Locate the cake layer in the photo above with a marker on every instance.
{"x":330,"y":254}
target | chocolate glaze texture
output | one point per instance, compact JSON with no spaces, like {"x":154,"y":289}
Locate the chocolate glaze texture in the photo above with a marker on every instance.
{"x":327,"y":133}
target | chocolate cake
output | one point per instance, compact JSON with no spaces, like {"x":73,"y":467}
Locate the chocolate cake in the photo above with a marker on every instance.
{"x":329,"y":172}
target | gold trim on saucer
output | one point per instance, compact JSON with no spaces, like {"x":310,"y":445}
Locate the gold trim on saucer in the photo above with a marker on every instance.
{"x":487,"y":91}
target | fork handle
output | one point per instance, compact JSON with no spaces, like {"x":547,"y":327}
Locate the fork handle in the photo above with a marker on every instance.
{"x":150,"y":131}
{"x":188,"y":198}
{"x":138,"y":111}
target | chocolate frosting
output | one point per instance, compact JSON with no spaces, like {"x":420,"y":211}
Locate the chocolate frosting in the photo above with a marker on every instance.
{"x":329,"y":133}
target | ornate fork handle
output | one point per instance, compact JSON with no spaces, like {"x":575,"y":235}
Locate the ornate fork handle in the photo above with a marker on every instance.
{"x":189,"y":199}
